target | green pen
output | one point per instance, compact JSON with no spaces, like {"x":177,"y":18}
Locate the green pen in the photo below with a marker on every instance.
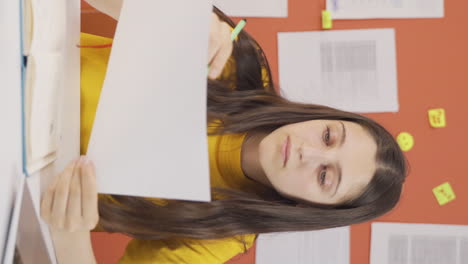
{"x":236,"y":31}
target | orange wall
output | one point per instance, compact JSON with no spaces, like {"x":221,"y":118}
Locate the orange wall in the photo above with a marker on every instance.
{"x":432,"y":58}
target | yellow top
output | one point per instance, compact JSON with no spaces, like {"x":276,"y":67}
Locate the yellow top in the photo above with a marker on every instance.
{"x":225,"y":171}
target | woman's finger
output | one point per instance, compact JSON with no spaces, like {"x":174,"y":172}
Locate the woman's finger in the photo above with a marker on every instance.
{"x":89,"y":195}
{"x":223,"y":54}
{"x":46,"y":204}
{"x":48,"y":195}
{"x":61,"y":198}
{"x":214,"y":40}
{"x":73,"y":209}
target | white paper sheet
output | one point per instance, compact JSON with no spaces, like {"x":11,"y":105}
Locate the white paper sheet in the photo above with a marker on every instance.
{"x":10,"y":113}
{"x":330,"y":246}
{"x":353,"y":70}
{"x":357,"y":9}
{"x":149,"y":136}
{"x":253,"y":8}
{"x":45,"y":39}
{"x":67,"y":105}
{"x":14,"y":220}
{"x":395,"y":243}
{"x":30,"y":240}
{"x":42,"y":134}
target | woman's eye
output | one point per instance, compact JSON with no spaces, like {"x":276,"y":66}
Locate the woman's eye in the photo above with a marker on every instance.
{"x":323,"y":176}
{"x":326,"y":136}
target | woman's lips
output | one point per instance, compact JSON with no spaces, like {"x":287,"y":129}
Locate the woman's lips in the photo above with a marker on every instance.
{"x":286,"y":151}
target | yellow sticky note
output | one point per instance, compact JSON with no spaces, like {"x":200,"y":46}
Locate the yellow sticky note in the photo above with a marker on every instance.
{"x":444,"y":193}
{"x":406,"y":141}
{"x":437,"y":117}
{"x":327,"y":22}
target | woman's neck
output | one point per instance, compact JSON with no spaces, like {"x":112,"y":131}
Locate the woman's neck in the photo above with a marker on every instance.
{"x":250,"y":161}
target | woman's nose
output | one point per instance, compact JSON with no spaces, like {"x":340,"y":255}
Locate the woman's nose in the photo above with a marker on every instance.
{"x":309,"y":153}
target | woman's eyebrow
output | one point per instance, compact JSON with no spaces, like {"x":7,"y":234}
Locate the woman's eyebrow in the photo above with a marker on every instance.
{"x":338,"y":167}
{"x":343,"y":134}
{"x":339,"y":171}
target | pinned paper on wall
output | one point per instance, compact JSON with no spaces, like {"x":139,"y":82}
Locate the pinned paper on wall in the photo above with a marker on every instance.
{"x":406,"y":141}
{"x":437,"y":118}
{"x":307,"y":247}
{"x":253,"y":8}
{"x":357,"y":9}
{"x":393,"y":243}
{"x":444,"y":193}
{"x":352,"y":70}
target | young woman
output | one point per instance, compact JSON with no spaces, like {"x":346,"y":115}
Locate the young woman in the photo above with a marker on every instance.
{"x":275,"y":166}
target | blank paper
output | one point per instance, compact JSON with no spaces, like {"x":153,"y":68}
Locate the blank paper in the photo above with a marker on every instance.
{"x":150,"y":133}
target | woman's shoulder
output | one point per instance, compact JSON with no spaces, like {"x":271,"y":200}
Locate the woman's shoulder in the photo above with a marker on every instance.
{"x":186,"y":250}
{"x":90,"y":39}
{"x":94,"y":52}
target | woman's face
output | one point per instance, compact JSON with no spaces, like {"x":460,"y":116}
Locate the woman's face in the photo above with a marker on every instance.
{"x":321,"y":161}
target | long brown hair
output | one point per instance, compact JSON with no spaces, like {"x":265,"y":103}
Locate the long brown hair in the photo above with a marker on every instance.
{"x":255,"y":107}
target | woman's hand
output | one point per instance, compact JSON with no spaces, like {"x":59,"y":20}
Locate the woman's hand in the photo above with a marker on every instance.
{"x":220,"y":46}
{"x":70,"y":208}
{"x":70,"y":204}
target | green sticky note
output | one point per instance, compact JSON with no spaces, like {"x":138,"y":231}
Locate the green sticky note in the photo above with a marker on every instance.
{"x":327,"y":22}
{"x":444,"y":193}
